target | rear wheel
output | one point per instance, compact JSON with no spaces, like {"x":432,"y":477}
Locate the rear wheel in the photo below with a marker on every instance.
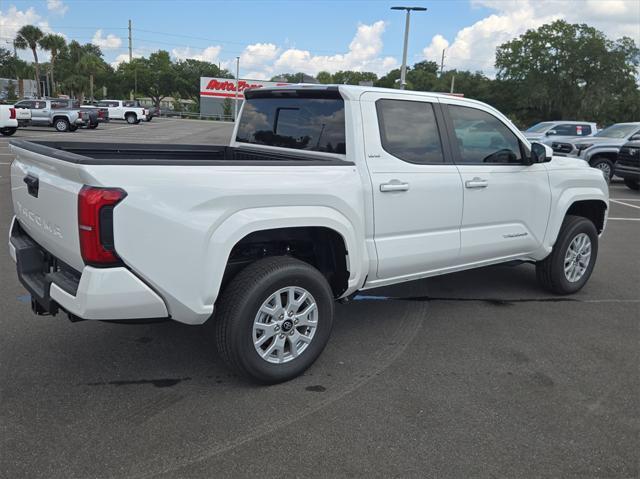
{"x":61,"y":124}
{"x":274,"y":319}
{"x":131,"y":118}
{"x":605,"y":165}
{"x":93,"y":126}
{"x":7,"y":131}
{"x":73,"y":127}
{"x":633,"y":184}
{"x":568,"y":268}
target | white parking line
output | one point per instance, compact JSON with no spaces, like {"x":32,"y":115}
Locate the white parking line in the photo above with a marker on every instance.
{"x":623,"y":203}
{"x":624,"y":199}
{"x":624,"y":219}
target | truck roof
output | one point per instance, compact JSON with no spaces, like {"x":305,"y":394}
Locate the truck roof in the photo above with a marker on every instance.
{"x":353,"y":92}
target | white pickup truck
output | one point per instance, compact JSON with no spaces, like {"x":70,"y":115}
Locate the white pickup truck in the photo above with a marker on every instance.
{"x":8,"y":120}
{"x":324,"y":191}
{"x":123,"y":110}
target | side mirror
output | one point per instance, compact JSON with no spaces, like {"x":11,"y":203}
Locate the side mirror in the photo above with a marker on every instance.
{"x":551,"y":133}
{"x":635,"y":137}
{"x":540,"y":153}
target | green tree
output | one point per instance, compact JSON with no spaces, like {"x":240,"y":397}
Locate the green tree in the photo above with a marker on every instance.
{"x":324,"y":78}
{"x":55,"y":45}
{"x":390,"y":80}
{"x":569,"y":71}
{"x":27,"y":38}
{"x":188,"y":73}
{"x":162,"y":78}
{"x":349,"y":77}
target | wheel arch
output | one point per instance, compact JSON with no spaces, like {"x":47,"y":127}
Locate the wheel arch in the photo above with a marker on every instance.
{"x":331,"y":234}
{"x":590,"y":203}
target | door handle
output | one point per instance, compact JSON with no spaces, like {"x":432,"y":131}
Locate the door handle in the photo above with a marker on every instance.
{"x":476,"y":183}
{"x":394,"y":185}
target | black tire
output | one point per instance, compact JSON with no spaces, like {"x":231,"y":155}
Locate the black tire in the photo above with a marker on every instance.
{"x":131,"y":118}
{"x":73,"y":128}
{"x":62,"y":125}
{"x":632,"y":184}
{"x":7,"y":131}
{"x":605,"y":165}
{"x":93,"y":126}
{"x":241,"y":301}
{"x":550,"y":271}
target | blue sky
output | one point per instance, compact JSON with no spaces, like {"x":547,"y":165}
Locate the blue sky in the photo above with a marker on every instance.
{"x":282,"y":36}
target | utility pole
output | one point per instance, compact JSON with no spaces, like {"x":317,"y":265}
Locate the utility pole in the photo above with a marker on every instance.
{"x":235,"y":111}
{"x":403,"y":70}
{"x":442,"y":62}
{"x":130,"y":44}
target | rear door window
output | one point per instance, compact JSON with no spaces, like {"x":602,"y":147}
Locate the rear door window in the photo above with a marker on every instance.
{"x":309,"y":123}
{"x":408,"y":130}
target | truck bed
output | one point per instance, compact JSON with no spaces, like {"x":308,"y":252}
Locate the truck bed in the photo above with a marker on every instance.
{"x":94,"y":153}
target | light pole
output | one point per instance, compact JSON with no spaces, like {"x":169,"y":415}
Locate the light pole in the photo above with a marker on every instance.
{"x":403,"y":70}
{"x":235,"y":110}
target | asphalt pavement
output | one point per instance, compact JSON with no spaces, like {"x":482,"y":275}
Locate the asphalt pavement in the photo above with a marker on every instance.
{"x":475,"y":374}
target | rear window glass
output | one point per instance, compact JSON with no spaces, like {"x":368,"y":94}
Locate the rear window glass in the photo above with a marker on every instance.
{"x":313,"y":124}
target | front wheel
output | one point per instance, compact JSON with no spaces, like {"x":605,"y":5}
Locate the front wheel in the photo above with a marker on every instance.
{"x":568,"y":268}
{"x":7,"y":131}
{"x":632,"y":184}
{"x":73,"y":127}
{"x":93,"y":126}
{"x":131,"y":118}
{"x":604,"y":165}
{"x":274,"y":319}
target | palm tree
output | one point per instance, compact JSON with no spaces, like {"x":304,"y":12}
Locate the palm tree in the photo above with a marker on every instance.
{"x":28,"y":37}
{"x":91,"y":65}
{"x":55,"y":44}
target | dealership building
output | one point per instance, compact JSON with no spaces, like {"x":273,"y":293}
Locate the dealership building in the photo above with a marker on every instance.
{"x":214,"y":91}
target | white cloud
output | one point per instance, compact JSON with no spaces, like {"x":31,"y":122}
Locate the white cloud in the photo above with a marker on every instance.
{"x":12,"y":20}
{"x":363,"y":55}
{"x":474,"y":46}
{"x":124,"y":58}
{"x":111,"y":41}
{"x":209,"y":54}
{"x":57,"y":6}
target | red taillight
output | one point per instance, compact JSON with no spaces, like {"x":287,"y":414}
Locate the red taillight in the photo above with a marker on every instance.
{"x":12,"y":113}
{"x":95,"y":223}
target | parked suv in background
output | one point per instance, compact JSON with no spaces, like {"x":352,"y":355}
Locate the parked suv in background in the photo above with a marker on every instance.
{"x":601,"y":150}
{"x":540,"y":131}
{"x":628,"y":164}
{"x":53,"y":113}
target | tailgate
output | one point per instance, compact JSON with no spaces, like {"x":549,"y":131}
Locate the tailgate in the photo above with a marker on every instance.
{"x":23,"y":114}
{"x":44,"y":192}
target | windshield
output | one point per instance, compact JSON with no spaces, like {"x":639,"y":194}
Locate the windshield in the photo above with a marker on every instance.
{"x":540,"y":127}
{"x":617,"y":131}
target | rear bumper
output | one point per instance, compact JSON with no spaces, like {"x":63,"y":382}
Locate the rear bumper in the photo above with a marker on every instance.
{"x":93,"y":293}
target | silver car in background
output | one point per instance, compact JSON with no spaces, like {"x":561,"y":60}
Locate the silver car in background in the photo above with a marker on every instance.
{"x":542,"y":130}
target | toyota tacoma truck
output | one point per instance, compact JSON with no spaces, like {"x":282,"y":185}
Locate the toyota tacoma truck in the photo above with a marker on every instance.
{"x":126,"y":110}
{"x":8,"y":120}
{"x":323,"y":191}
{"x":56,"y":113}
